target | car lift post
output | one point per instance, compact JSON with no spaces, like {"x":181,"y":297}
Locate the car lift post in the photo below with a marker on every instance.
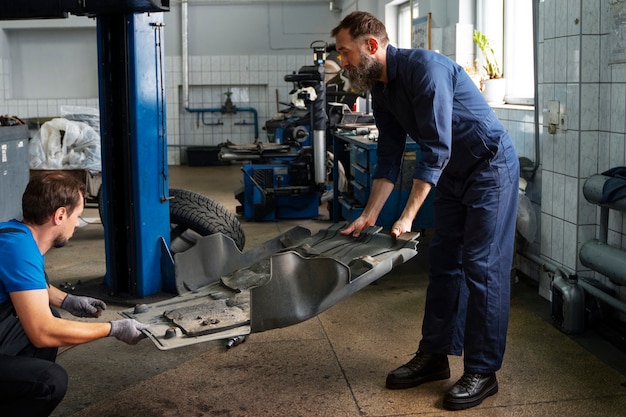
{"x":133,"y":133}
{"x":134,"y":153}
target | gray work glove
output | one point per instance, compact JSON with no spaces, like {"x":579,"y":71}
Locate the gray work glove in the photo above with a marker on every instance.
{"x":83,"y":306}
{"x":128,"y":330}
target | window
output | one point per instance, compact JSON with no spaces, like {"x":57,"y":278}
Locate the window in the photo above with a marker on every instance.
{"x":509,"y":25}
{"x":398,"y":22}
{"x":404,"y":25}
{"x":519,"y":51}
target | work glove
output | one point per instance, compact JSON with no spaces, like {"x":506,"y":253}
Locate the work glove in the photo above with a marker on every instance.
{"x":128,"y":330}
{"x":83,"y":306}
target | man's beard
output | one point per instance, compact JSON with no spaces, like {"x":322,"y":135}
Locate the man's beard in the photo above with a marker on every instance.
{"x":59,"y":242}
{"x":363,"y":77}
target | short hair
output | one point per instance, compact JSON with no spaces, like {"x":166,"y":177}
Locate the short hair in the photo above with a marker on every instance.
{"x":362,"y":24}
{"x":47,"y":192}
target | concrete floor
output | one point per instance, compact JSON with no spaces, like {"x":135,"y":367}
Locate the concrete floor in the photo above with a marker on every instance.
{"x":332,"y":365}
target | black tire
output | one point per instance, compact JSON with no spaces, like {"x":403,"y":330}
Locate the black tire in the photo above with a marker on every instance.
{"x":193,"y":214}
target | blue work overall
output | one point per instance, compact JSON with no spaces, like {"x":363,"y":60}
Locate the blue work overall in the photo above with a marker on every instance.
{"x":470,"y":158}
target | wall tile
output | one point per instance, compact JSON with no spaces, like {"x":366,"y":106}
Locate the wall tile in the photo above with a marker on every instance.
{"x":616,"y":150}
{"x":546,"y":235}
{"x":605,"y":20}
{"x":570,"y":198}
{"x":558,"y":196}
{"x":547,"y":199}
{"x":573,"y":17}
{"x":549,"y":18}
{"x":618,"y":73}
{"x":560,"y":21}
{"x":604,"y":68}
{"x":604,"y":151}
{"x":572,"y":106}
{"x":547,"y":150}
{"x":618,"y":104}
{"x":572,"y":148}
{"x":549,"y":52}
{"x":561,"y":67}
{"x":590,"y":59}
{"x":559,"y":141}
{"x":570,"y":245}
{"x":590,"y":17}
{"x":586,"y":210}
{"x":573,"y":63}
{"x":589,"y":103}
{"x":557,"y":239}
{"x":588,"y":154}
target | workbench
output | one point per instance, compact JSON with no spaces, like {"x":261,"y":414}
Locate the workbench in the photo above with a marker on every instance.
{"x":358,"y":152}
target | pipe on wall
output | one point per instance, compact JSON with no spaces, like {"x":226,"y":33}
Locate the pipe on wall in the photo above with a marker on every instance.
{"x":184,"y":19}
{"x":605,"y":259}
{"x":535,"y":167}
{"x":589,"y":288}
{"x":597,"y":254}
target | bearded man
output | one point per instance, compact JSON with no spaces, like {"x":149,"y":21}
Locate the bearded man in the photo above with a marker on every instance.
{"x":469,"y":156}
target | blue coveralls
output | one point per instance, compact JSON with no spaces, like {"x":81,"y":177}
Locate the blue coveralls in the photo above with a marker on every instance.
{"x":469,"y":156}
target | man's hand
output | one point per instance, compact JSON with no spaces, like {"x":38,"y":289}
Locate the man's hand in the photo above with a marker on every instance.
{"x":128,"y":330}
{"x":83,"y":306}
{"x":400,"y":227}
{"x":357,"y":226}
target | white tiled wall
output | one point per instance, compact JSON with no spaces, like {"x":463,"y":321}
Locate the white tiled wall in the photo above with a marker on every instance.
{"x":257,"y":82}
{"x":260,"y":79}
{"x":575,"y":69}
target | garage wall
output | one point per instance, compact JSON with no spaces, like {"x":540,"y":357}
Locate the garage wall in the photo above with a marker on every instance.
{"x":245,"y":47}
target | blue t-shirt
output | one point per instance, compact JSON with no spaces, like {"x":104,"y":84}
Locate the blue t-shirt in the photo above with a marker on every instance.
{"x":21,"y":263}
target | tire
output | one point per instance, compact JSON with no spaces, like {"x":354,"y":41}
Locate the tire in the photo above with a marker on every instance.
{"x":193,"y":215}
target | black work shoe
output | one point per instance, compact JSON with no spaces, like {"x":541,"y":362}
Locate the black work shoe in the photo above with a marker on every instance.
{"x":422,"y":368}
{"x":470,"y":390}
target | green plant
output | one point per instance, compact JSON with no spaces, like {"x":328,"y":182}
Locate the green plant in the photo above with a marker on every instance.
{"x":492,"y":67}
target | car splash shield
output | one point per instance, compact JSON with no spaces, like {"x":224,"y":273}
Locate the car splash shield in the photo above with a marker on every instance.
{"x":224,"y":293}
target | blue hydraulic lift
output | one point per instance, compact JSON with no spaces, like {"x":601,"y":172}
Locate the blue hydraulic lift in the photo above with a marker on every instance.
{"x":133,"y":133}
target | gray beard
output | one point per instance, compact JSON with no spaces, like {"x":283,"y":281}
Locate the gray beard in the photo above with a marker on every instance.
{"x":363,"y":77}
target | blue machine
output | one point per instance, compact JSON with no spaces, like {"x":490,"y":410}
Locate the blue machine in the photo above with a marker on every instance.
{"x":271,"y":192}
{"x":289,"y":173}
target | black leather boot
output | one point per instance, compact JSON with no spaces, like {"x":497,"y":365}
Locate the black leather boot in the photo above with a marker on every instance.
{"x":470,"y":390}
{"x":424,"y":367}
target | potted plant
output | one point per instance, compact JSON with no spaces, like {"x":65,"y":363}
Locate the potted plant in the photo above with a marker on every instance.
{"x":493,"y":84}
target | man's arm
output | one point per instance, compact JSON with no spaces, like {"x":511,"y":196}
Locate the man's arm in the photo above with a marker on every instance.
{"x":45,"y":330}
{"x":419,"y":192}
{"x":56,"y":296}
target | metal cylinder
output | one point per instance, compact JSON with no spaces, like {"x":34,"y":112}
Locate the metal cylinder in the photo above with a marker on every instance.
{"x":319,"y":155}
{"x":605,"y":259}
{"x":593,"y":190}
